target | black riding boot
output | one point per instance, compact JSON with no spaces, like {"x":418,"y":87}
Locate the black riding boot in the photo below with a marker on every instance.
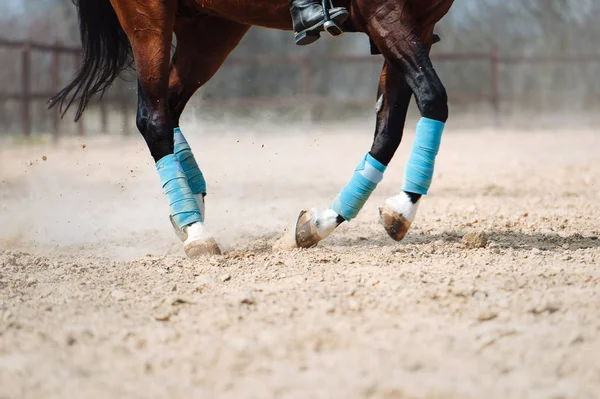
{"x":309,"y":18}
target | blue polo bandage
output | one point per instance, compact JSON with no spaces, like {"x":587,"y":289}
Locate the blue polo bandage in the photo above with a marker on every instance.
{"x":419,"y":171}
{"x":184,"y":207}
{"x":354,"y":196}
{"x":188,"y":163}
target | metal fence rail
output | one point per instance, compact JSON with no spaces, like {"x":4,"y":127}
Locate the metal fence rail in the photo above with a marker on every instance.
{"x":26,"y":95}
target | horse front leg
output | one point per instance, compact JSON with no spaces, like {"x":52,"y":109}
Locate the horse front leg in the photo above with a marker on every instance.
{"x":150,"y":31}
{"x":393,"y":98}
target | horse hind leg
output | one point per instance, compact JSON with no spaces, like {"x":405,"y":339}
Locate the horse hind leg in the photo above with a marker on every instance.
{"x":150,"y":39}
{"x":194,"y":176}
{"x":197,"y":58}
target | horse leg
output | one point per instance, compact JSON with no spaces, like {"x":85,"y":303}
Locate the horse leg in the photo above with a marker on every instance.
{"x":150,"y":31}
{"x":195,"y":62}
{"x":393,"y":98}
{"x":409,"y":52}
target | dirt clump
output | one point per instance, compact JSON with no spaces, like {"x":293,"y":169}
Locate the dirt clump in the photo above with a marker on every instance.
{"x":475,"y":240}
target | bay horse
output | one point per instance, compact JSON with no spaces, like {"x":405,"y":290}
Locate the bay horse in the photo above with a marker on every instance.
{"x":116,"y":32}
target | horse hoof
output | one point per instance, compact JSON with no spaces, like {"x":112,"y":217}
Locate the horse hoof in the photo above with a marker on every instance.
{"x":306,"y":230}
{"x":395,"y":224}
{"x":197,"y":248}
{"x":199,"y":241}
{"x":180,"y":233}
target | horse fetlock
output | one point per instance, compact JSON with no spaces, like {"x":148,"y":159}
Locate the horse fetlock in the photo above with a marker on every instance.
{"x":397,"y":215}
{"x":200,"y":198}
{"x":314,"y":225}
{"x":182,"y":234}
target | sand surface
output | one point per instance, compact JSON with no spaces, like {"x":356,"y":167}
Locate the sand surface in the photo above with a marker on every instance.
{"x":97,"y":299}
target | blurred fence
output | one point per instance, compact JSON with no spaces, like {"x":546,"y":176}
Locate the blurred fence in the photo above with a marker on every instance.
{"x":33,"y":89}
{"x":27,"y":93}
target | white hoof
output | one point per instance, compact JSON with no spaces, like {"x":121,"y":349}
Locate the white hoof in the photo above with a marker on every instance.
{"x":397,"y":215}
{"x":199,"y":241}
{"x":314,"y":225}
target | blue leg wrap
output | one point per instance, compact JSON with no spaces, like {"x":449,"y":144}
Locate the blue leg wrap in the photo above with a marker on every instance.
{"x":419,"y":171}
{"x":188,"y":163}
{"x":184,"y":207}
{"x":354,"y":196}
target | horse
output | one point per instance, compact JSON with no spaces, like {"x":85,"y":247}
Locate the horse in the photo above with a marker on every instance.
{"x":116,"y":34}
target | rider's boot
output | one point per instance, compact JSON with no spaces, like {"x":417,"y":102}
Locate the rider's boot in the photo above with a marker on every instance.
{"x":309,"y":20}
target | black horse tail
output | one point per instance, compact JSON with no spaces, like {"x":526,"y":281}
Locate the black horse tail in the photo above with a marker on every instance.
{"x":106,"y":52}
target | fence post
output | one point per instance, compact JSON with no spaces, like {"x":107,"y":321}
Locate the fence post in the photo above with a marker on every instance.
{"x":495,"y":81}
{"x":55,"y":87}
{"x":26,"y":89}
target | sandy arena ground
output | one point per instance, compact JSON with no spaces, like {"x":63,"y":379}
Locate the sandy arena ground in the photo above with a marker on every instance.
{"x":98,"y":301}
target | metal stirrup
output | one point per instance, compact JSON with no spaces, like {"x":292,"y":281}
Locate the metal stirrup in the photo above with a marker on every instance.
{"x":330,"y":26}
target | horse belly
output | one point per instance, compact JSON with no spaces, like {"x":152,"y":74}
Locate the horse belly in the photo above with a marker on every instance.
{"x":272,"y":14}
